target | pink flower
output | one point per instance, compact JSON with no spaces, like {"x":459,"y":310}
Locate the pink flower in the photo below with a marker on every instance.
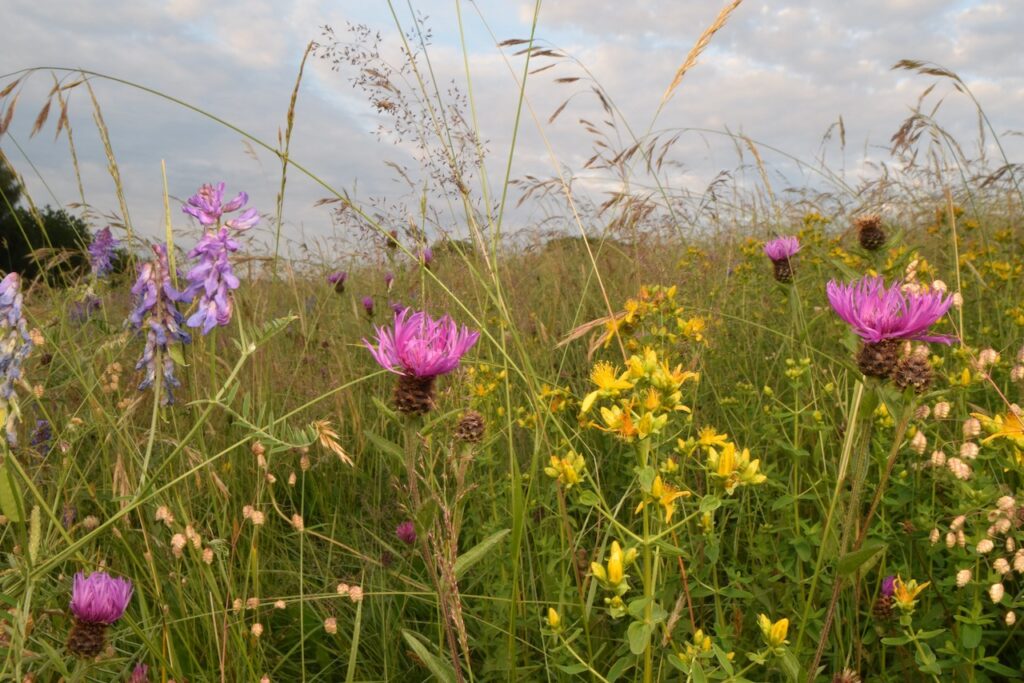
{"x":99,"y":598}
{"x":782,"y":248}
{"x":420,"y":346}
{"x":878,"y":313}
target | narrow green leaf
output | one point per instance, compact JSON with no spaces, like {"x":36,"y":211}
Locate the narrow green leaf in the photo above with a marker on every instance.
{"x":478,"y":552}
{"x":441,"y":669}
{"x":862,"y":559}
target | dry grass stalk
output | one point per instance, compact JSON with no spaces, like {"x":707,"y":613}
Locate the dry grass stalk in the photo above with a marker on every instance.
{"x":699,"y":47}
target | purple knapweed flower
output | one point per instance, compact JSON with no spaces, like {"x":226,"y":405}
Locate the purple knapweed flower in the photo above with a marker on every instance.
{"x":418,"y":348}
{"x":389,"y":279}
{"x":337,"y":278}
{"x":15,"y":346}
{"x":140,"y":674}
{"x":213,"y":280}
{"x":157,"y":313}
{"x":368,"y":305}
{"x":207,"y":206}
{"x":780,"y":251}
{"x":101,"y":252}
{"x":99,"y":598}
{"x":889,"y":586}
{"x":97,"y":601}
{"x":396,"y":307}
{"x":878,"y":313}
{"x":406,"y":532}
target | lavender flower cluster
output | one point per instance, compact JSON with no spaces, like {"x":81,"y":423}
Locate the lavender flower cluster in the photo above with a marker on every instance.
{"x":15,"y":346}
{"x":101,"y":252}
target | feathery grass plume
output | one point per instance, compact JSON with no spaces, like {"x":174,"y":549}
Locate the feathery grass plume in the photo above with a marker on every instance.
{"x":97,"y":601}
{"x":781,"y":250}
{"x":883,"y":317}
{"x":337,"y":278}
{"x":213,"y":278}
{"x":156,"y":310}
{"x":418,"y":348}
{"x":101,"y":252}
{"x":15,"y":346}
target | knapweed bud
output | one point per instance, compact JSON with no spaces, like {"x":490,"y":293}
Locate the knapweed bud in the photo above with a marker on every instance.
{"x":471,"y":427}
{"x":869,"y":231}
{"x":781,"y":251}
{"x":368,"y":306}
{"x":97,"y":601}
{"x":338,"y":278}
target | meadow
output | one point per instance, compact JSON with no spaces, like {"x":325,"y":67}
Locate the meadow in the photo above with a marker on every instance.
{"x":739,"y":435}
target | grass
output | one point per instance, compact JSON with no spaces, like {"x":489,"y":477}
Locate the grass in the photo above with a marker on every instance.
{"x":282,"y":470}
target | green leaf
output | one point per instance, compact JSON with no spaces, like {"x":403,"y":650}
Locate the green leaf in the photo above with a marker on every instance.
{"x":34,"y":534}
{"x":697,"y":674}
{"x":995,"y":667}
{"x":861,"y":560}
{"x":441,"y":669}
{"x":588,"y":498}
{"x":639,"y":634}
{"x":636,"y":607}
{"x":478,"y":552}
{"x":385,"y":446}
{"x":970,"y":635}
{"x":710,"y":503}
{"x":896,"y":640}
{"x":723,"y":659}
{"x":620,"y":667}
{"x":573,"y":668}
{"x":177,"y":355}
{"x":10,"y":495}
{"x":790,"y":666}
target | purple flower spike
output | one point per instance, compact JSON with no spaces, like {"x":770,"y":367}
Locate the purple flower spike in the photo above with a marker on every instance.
{"x":99,"y":598}
{"x":101,"y":252}
{"x":207,"y":206}
{"x":213,"y":280}
{"x":782,"y":248}
{"x":406,"y":532}
{"x":15,"y":346}
{"x":889,"y":586}
{"x":420,"y":346}
{"x":878,"y":313}
{"x":368,"y":305}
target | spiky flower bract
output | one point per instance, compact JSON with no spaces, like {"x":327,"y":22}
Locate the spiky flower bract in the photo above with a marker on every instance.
{"x":156,"y":310}
{"x":418,"y":348}
{"x":878,"y":313}
{"x":101,"y":252}
{"x":406,"y":532}
{"x":15,"y":346}
{"x":208,"y":207}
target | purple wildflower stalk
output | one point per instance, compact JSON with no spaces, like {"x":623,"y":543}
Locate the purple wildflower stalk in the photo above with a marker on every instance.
{"x":101,"y":252}
{"x":15,"y":346}
{"x":208,"y":207}
{"x":368,"y":306}
{"x":213,"y":280}
{"x":157,"y":312}
{"x":338,"y":278}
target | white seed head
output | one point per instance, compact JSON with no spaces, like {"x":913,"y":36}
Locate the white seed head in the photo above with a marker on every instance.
{"x":934,"y":536}
{"x":919,"y":443}
{"x":938,"y":458}
{"x":969,"y":450}
{"x":1011,"y":618}
{"x":985,"y":546}
{"x":1001,"y":565}
{"x":331,"y":625}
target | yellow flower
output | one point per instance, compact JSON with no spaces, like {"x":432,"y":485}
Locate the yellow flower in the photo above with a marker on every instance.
{"x":619,"y":421}
{"x":774,"y":634}
{"x":665,"y":495}
{"x":905,"y":594}
{"x":733,"y":469}
{"x":554,"y":620}
{"x":1009,"y":427}
{"x":709,"y":437}
{"x":604,"y":376}
{"x":568,"y":471}
{"x":613,"y":575}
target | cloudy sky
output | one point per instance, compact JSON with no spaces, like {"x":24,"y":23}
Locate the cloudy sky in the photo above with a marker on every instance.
{"x":781,"y":72}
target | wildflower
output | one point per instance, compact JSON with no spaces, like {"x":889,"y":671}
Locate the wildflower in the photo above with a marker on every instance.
{"x":368,"y":306}
{"x":780,"y":251}
{"x":569,"y":470}
{"x":732,"y":470}
{"x":1017,"y":373}
{"x":774,"y":633}
{"x":665,"y":495}
{"x":938,"y":458}
{"x":156,"y":311}
{"x":905,"y":593}
{"x":972,"y":428}
{"x":996,"y":591}
{"x":918,"y":443}
{"x":83,"y":309}
{"x":969,"y":450}
{"x":963,"y":577}
{"x":884,"y":316}
{"x":613,"y":576}
{"x":15,"y":346}
{"x":608,"y":381}
{"x":279,"y":604}
{"x":1011,"y":618}
{"x":140,"y":674}
{"x":97,"y":601}
{"x":101,"y":252}
{"x":42,"y":435}
{"x":337,"y":278}
{"x":331,"y":625}
{"x":427,"y":257}
{"x":1001,"y":565}
{"x":471,"y":427}
{"x":213,"y":279}
{"x":869,"y":231}
{"x":257,"y":630}
{"x":406,"y":532}
{"x":709,"y":437}
{"x":554,"y":620}
{"x":883,"y":604}
{"x":207,"y":206}
{"x":922,"y":412}
{"x":418,"y":349}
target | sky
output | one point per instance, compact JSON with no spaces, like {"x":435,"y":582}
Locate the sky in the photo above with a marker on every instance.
{"x":780,"y":72}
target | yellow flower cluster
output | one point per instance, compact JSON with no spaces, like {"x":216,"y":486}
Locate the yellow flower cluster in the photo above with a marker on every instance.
{"x":568,"y":471}
{"x":663,"y":494}
{"x":654,"y":317}
{"x":613,"y":578}
{"x":640,"y":399}
{"x":731,"y":469}
{"x":774,"y":633}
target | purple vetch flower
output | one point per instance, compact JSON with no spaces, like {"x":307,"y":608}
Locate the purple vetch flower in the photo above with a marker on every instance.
{"x":140,"y":674}
{"x":101,"y":252}
{"x":780,"y":251}
{"x":97,"y":601}
{"x":389,"y":279}
{"x":213,"y":280}
{"x":156,"y":312}
{"x":337,"y":278}
{"x":207,"y":206}
{"x":99,"y":598}
{"x":884,"y":317}
{"x":42,"y":435}
{"x":406,"y":532}
{"x":368,"y":305}
{"x":15,"y":346}
{"x":877,"y":313}
{"x":418,"y":348}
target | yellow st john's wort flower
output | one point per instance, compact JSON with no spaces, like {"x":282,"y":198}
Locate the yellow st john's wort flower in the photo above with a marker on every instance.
{"x":608,"y":382}
{"x":554,"y":620}
{"x":774,"y":633}
{"x":665,"y":495}
{"x":613,"y":577}
{"x":905,"y":593}
{"x":733,"y":469}
{"x":708,"y":437}
{"x":569,"y":470}
{"x":1009,"y":427}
